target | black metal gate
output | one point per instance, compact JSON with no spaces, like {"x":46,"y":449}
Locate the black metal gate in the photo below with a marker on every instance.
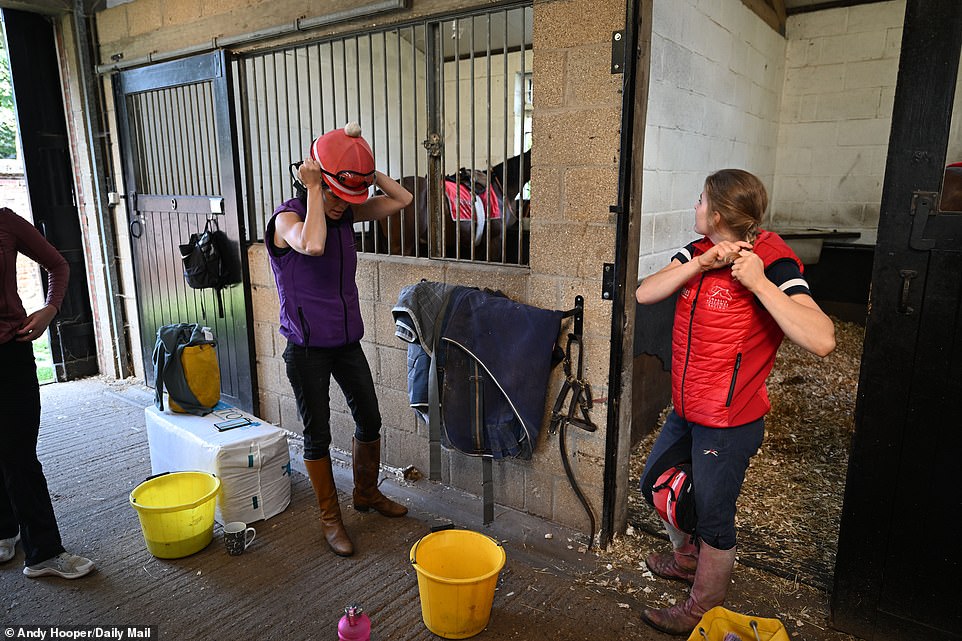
{"x":180,"y":167}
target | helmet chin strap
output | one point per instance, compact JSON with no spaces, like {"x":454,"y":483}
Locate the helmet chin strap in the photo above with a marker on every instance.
{"x":300,"y":191}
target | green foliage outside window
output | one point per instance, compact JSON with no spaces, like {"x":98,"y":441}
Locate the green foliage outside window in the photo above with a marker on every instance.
{"x":8,"y":118}
{"x":41,"y":353}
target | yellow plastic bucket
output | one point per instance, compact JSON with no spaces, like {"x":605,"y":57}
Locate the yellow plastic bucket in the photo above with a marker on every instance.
{"x":176,"y":512}
{"x":457,"y":574}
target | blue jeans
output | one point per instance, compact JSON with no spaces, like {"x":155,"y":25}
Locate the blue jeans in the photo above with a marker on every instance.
{"x":309,"y":369}
{"x":719,"y":458}
{"x":24,"y":497}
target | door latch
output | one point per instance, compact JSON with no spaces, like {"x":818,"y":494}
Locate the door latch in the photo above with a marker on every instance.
{"x":433,"y":144}
{"x":923,"y":206}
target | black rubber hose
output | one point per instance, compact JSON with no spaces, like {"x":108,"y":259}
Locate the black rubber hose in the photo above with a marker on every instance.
{"x":562,"y":435}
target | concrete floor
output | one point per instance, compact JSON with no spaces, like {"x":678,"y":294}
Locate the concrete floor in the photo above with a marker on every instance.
{"x":288,"y":585}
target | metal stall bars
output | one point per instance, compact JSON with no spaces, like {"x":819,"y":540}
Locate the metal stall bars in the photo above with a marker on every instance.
{"x":289,"y":96}
{"x":484,"y":67}
{"x":406,"y":85}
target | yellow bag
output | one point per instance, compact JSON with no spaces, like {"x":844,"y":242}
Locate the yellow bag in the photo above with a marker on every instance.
{"x":202,"y":375}
{"x":185,"y":362}
{"x":719,"y":622}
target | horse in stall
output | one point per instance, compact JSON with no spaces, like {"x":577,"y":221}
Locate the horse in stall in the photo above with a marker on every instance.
{"x":479,"y":214}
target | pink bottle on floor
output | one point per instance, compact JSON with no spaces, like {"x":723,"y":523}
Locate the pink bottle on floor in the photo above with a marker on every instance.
{"x":354,"y":625}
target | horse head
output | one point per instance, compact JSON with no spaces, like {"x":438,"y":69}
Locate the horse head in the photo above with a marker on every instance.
{"x":512,"y":174}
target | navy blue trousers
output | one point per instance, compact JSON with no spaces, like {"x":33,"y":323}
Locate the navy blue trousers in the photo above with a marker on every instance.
{"x":719,"y":458}
{"x":24,"y":498}
{"x":310,"y":369}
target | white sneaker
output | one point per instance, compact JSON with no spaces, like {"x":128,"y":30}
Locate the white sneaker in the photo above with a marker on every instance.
{"x":8,"y":547}
{"x":67,"y":566}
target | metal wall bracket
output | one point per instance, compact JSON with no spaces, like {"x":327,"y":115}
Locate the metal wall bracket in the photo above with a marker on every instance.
{"x":578,"y":313}
{"x":618,"y":51}
{"x":579,"y":324}
{"x":608,"y":282}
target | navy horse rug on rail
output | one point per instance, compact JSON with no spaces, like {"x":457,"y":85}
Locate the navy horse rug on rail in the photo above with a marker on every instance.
{"x":492,"y":358}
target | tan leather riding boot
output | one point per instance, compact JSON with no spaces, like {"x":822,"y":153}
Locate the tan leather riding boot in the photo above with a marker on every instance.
{"x":367,"y":464}
{"x":322,"y":479}
{"x":711,"y":585}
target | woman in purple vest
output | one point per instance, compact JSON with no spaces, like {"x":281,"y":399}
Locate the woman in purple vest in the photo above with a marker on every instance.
{"x":310,"y":241}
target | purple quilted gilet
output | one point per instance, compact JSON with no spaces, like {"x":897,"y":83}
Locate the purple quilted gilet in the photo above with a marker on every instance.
{"x":318,"y":294}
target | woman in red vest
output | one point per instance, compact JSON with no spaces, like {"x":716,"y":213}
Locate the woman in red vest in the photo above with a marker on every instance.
{"x":741,"y":291}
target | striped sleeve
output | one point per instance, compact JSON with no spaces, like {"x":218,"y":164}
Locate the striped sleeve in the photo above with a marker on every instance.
{"x":788,"y":277}
{"x":684,"y":254}
{"x":32,"y":244}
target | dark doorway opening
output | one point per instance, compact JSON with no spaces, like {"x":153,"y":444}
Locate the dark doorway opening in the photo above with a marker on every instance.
{"x":49,"y":173}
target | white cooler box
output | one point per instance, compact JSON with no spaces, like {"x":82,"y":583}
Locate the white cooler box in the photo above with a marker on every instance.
{"x":253,"y":462}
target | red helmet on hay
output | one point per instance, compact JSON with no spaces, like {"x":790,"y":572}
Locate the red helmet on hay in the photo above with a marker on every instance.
{"x":347,"y":162}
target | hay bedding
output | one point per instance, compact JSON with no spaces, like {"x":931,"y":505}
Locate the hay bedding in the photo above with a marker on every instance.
{"x":791,"y":502}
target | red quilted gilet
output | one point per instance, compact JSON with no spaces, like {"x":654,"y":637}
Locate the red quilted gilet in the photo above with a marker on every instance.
{"x":724,"y":343}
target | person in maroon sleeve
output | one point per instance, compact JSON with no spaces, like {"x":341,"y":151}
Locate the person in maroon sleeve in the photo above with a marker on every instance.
{"x":26,"y":513}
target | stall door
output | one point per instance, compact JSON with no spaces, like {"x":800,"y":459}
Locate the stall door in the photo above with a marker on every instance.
{"x":899,"y":559}
{"x":181,"y":172}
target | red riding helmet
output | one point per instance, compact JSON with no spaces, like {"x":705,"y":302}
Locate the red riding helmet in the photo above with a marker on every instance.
{"x":347,"y":162}
{"x":673,"y":499}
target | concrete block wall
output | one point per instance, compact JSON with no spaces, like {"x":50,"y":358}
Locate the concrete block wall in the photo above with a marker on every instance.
{"x":538,"y":486}
{"x":954,"y":148}
{"x":714,"y":95}
{"x":841,"y":67}
{"x":575,"y":154}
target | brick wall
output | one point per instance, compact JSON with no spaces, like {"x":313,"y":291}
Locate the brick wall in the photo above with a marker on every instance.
{"x":13,"y":194}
